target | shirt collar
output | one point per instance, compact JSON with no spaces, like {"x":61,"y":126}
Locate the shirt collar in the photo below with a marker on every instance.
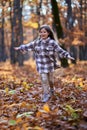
{"x":46,"y":40}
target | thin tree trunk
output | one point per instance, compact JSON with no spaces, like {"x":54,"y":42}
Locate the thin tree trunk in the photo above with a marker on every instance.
{"x":81,"y":18}
{"x":17,"y":33}
{"x":12,"y":51}
{"x":38,"y":12}
{"x":69,"y":15}
{"x":56,"y":19}
{"x":2,"y":44}
{"x":20,"y":33}
{"x":58,"y":27}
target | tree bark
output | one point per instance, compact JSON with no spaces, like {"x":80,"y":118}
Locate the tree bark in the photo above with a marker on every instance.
{"x":69,"y":15}
{"x":56,"y":19}
{"x":58,"y":27}
{"x":17,"y":33}
{"x":2,"y":44}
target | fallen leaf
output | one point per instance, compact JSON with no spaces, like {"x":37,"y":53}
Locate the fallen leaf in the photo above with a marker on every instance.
{"x":46,"y":108}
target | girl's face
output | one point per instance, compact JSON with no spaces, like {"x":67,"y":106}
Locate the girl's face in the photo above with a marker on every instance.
{"x":43,"y":33}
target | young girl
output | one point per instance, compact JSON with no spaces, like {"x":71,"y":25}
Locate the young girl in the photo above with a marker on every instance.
{"x":45,"y":49}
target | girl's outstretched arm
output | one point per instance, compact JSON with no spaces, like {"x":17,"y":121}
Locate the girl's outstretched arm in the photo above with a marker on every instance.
{"x":27,"y":47}
{"x":62,"y":52}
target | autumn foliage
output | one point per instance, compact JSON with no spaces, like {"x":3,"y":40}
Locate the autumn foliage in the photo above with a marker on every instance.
{"x":20,"y":99}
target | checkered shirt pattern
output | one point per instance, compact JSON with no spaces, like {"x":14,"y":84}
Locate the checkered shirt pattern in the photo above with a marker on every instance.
{"x":45,"y":51}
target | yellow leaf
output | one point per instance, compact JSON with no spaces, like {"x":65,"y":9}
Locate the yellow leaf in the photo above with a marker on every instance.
{"x":30,"y":24}
{"x":22,"y":90}
{"x":6,"y":90}
{"x":27,"y":87}
{"x":38,"y":128}
{"x":24,"y":84}
{"x":46,"y":108}
{"x":81,"y":84}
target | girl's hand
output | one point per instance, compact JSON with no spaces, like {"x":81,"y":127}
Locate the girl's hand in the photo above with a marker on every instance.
{"x":71,"y":58}
{"x":16,"y":48}
{"x":21,"y":48}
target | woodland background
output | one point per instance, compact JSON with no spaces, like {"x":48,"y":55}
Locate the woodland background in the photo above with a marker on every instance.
{"x":20,"y":20}
{"x":20,"y":87}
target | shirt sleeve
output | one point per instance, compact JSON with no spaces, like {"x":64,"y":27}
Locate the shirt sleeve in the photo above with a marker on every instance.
{"x":27,"y":47}
{"x":62,"y":53}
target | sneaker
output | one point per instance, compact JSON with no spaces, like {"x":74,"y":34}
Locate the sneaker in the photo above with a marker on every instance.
{"x":45,"y":97}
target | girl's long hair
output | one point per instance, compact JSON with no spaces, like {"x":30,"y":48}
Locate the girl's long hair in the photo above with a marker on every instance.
{"x":48,"y":29}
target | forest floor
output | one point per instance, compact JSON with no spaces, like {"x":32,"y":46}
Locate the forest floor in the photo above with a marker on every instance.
{"x":20,"y":98}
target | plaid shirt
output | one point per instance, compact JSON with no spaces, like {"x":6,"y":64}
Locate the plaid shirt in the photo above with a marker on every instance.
{"x":45,"y":51}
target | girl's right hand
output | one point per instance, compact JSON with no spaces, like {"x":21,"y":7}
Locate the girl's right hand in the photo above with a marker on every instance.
{"x":21,"y":47}
{"x":16,"y":48}
{"x":21,"y":50}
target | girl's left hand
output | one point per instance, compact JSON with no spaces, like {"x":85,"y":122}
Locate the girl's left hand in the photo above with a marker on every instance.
{"x":71,"y":58}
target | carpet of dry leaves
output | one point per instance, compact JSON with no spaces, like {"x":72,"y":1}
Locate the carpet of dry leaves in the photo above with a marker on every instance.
{"x":20,"y":98}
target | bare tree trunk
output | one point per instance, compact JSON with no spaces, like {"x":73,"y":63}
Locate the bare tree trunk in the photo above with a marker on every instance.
{"x":12,"y":51}
{"x":58,"y":27}
{"x":83,"y":26}
{"x":20,"y":33}
{"x":81,"y":18}
{"x":2,"y":44}
{"x":56,"y":19}
{"x":85,"y":10}
{"x":38,"y":12}
{"x":17,"y":33}
{"x":69,"y":15}
{"x":70,"y":21}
